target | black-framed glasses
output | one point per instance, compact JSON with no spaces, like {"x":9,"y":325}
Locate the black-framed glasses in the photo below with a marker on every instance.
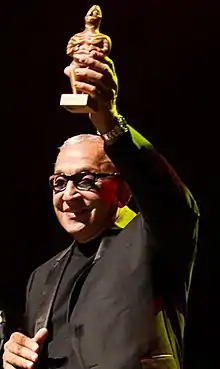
{"x":84,"y":181}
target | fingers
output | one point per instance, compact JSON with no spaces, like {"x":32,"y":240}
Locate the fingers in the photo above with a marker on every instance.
{"x":103,"y":65}
{"x":21,"y":351}
{"x":104,"y":59}
{"x":15,"y":361}
{"x":103,"y":81}
{"x":97,"y":65}
{"x":7,"y":366}
{"x":98,"y":71}
{"x":21,"y":340}
{"x":103,"y":98}
{"x":94,"y":75}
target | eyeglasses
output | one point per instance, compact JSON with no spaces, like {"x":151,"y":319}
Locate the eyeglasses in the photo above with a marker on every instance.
{"x":84,"y":181}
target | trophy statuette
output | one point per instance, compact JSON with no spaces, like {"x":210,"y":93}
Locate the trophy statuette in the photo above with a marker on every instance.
{"x":82,"y":44}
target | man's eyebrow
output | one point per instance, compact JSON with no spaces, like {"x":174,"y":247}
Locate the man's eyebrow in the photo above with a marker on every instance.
{"x":79,"y":170}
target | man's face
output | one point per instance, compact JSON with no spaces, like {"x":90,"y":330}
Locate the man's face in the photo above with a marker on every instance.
{"x":85,"y":213}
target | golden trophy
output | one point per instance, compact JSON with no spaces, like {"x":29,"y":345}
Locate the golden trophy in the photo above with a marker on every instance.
{"x":82,"y":44}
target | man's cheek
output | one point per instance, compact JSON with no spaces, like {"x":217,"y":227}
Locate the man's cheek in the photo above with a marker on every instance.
{"x":108,"y":192}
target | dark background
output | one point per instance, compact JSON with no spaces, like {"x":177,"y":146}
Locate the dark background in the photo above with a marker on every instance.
{"x":167,"y":59}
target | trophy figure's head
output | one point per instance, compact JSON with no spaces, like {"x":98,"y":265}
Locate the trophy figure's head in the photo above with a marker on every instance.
{"x":93,"y":16}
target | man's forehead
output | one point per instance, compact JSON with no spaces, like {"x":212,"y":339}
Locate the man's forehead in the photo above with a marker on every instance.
{"x":83,"y":150}
{"x":81,"y":154}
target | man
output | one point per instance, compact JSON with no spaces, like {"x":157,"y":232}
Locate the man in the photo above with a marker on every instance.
{"x":117,"y":297}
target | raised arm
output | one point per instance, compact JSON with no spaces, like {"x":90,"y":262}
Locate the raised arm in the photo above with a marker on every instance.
{"x":166,"y":204}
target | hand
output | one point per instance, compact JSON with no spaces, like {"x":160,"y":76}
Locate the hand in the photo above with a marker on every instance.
{"x":95,"y":75}
{"x":21,"y":351}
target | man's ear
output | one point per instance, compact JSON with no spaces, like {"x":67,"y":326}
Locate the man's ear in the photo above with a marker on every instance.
{"x":124,"y":194}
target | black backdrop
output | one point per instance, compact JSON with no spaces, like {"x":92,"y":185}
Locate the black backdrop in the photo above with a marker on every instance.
{"x":167,"y":58}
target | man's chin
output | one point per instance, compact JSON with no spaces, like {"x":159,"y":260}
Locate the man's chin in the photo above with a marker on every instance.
{"x":75,"y":227}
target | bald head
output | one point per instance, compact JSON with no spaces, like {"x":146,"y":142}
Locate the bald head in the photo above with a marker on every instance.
{"x":87,"y":148}
{"x":85,"y":139}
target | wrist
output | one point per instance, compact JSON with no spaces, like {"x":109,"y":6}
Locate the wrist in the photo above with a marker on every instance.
{"x":119,"y":127}
{"x":104,"y":120}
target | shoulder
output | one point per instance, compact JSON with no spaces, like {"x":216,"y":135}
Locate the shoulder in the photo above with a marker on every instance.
{"x":40,"y":273}
{"x":53,"y":261}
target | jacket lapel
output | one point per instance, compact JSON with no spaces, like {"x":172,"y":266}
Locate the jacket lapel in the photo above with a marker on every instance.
{"x":50,"y":288}
{"x":56,"y":273}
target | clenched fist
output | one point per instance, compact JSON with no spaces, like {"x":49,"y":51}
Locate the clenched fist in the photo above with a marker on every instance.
{"x":21,"y":351}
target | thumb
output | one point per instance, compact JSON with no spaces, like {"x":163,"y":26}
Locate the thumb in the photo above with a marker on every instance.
{"x":40,"y":336}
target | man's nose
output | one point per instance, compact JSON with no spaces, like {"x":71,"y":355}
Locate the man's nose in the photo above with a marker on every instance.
{"x":70,"y":192}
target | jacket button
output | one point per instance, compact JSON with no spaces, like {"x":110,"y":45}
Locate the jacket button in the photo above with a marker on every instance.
{"x":78,"y":329}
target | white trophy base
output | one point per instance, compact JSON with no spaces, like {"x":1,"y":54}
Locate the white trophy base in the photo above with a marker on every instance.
{"x":77,"y":103}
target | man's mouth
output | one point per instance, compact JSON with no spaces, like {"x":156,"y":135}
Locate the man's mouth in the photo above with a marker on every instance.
{"x":75,"y":213}
{"x":81,"y":211}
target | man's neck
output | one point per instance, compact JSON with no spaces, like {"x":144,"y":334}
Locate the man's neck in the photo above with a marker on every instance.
{"x":90,"y":247}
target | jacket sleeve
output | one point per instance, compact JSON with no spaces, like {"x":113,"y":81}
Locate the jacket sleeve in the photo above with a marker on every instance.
{"x":168,"y":207}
